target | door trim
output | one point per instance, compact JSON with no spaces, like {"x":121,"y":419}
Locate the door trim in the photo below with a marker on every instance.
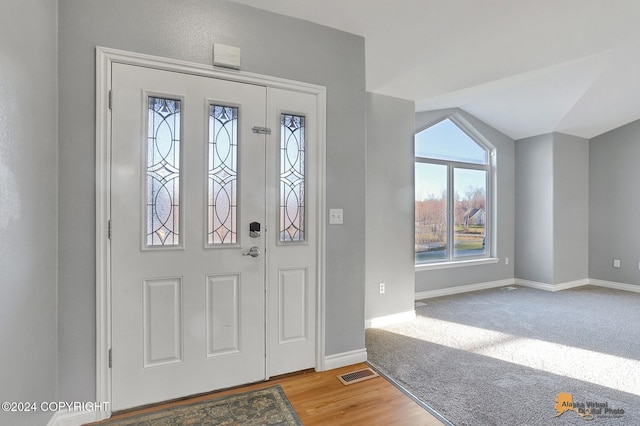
{"x":105,"y":57}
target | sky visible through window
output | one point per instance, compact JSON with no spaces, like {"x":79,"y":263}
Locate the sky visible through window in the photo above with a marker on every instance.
{"x":445,"y":141}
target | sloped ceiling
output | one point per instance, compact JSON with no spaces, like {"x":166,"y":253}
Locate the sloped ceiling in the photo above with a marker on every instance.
{"x":525,"y":67}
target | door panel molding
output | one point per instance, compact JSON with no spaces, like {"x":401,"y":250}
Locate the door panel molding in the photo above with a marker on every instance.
{"x":222,"y":293}
{"x":292,"y":305}
{"x":162,"y":310}
{"x":105,"y":58}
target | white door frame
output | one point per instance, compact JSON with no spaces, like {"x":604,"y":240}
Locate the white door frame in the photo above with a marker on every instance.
{"x":104,"y":59}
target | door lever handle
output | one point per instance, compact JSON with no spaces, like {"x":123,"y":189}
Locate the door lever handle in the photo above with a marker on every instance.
{"x":253,"y":252}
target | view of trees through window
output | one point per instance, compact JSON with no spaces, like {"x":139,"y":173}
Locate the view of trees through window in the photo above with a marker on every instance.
{"x":451,"y":175}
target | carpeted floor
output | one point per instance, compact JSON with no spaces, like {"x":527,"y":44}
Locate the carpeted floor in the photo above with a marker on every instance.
{"x":260,"y":407}
{"x":520,"y":356}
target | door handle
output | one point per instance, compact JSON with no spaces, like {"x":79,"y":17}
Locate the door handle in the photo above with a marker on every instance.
{"x":253,"y":252}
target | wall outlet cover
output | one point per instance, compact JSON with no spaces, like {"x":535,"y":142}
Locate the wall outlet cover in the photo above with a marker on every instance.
{"x":336,"y":217}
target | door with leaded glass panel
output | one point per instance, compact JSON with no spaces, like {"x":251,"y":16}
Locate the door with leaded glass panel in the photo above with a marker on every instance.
{"x":213,"y":236}
{"x":292,"y":182}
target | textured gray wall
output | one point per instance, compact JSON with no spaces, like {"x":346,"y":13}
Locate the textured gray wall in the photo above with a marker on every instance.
{"x":28,"y":206}
{"x":389,"y":257}
{"x":552,"y":208}
{"x":534,"y":209}
{"x":271,"y":44}
{"x":505,"y":212}
{"x":570,"y":208}
{"x":614,"y":204}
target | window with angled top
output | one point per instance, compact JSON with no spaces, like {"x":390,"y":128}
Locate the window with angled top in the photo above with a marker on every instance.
{"x":452,"y":193}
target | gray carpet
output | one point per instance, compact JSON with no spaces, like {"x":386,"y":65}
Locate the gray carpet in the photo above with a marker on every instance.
{"x":502,"y":357}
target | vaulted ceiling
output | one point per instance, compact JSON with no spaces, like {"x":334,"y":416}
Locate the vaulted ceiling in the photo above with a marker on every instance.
{"x":525,"y":67}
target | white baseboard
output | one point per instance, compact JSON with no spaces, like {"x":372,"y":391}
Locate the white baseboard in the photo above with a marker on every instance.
{"x":614,"y":285}
{"x":73,"y":418}
{"x":463,"y":289}
{"x":552,"y":287}
{"x":527,"y":283}
{"x":390,"y":319}
{"x":344,"y":359}
{"x":535,"y":284}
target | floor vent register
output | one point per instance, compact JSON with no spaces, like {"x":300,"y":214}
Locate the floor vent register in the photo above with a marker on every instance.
{"x":357,"y":376}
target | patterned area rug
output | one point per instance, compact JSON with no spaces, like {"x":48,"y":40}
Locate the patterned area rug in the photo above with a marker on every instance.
{"x":267,"y":406}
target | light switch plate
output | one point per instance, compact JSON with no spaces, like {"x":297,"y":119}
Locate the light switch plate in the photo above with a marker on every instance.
{"x":336,"y":217}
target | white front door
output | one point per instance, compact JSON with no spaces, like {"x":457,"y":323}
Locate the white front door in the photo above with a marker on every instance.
{"x":213,"y":241}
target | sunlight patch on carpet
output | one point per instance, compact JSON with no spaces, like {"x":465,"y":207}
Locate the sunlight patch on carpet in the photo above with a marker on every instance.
{"x":612,"y":371}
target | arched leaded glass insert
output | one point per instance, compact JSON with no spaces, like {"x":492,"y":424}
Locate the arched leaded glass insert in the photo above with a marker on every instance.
{"x":292,"y":178}
{"x":222,"y":175}
{"x":452,"y":174}
{"x":163,"y":173}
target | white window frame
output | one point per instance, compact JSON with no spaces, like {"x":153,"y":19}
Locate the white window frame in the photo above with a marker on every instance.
{"x":490,"y":223}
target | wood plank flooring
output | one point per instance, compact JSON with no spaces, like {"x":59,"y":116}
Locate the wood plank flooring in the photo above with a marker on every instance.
{"x":321,"y":399}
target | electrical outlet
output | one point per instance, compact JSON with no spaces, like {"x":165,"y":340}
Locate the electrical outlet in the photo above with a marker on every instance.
{"x":616,"y":263}
{"x":382,"y":288}
{"x":336,"y":217}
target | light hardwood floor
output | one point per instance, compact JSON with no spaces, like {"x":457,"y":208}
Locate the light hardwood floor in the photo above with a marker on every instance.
{"x":321,"y":399}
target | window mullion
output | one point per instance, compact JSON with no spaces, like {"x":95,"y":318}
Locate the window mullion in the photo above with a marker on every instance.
{"x":488,"y":223}
{"x":450,"y":212}
{"x":432,"y":161}
{"x":455,"y":164}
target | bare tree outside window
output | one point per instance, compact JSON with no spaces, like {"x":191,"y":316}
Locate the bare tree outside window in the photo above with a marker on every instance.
{"x":451,"y":174}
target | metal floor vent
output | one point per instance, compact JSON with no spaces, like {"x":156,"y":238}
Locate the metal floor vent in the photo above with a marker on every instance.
{"x":357,"y":376}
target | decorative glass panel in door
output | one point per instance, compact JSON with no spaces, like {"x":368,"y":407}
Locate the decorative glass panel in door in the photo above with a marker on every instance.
{"x":163,"y":173}
{"x":223,"y":175}
{"x":292,"y":178}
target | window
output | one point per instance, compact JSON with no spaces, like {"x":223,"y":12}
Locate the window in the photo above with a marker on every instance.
{"x":163,"y":173}
{"x":292,"y":178}
{"x":223,"y":175}
{"x":452,"y":193}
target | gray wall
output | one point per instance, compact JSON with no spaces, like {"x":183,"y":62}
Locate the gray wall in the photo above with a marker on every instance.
{"x":389,"y":256}
{"x":570,"y":208}
{"x":47,"y":209}
{"x":28,"y":206}
{"x":504,"y":210}
{"x":614,"y":204}
{"x":534,"y":209}
{"x":271,"y":44}
{"x":552,"y":209}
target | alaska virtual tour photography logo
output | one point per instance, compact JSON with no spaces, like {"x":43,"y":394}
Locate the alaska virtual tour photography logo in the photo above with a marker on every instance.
{"x":587,"y":410}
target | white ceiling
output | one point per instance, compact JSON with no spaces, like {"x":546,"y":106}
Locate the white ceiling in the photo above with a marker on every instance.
{"x":525,"y":67}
